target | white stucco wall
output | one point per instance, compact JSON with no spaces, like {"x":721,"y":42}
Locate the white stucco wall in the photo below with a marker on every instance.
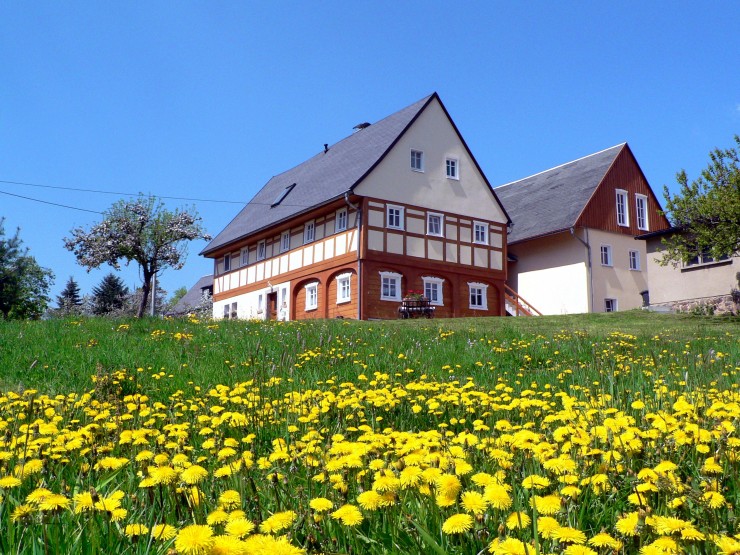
{"x":248,"y":303}
{"x":556,"y":290}
{"x":432,"y":133}
{"x":618,"y":281}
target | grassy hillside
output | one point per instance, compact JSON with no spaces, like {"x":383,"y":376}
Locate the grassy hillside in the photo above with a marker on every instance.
{"x":583,"y":435}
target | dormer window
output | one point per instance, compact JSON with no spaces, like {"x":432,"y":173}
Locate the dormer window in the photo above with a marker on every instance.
{"x":417,"y":160}
{"x":281,"y":196}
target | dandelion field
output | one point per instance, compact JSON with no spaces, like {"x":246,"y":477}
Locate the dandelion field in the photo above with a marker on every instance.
{"x":597,"y":434}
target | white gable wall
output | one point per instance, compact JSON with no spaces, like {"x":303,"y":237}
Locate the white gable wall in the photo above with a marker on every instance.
{"x":395,"y":181}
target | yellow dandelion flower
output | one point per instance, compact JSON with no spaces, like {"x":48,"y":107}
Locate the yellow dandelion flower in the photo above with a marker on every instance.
{"x":410,"y":477}
{"x":628,"y":524}
{"x":547,"y":505}
{"x":277,"y":522}
{"x":349,"y":515}
{"x":727,"y":545}
{"x":227,"y":545}
{"x":692,"y":534}
{"x":22,"y":511}
{"x":144,"y":456}
{"x":117,"y":515}
{"x":321,"y":504}
{"x":445,"y":501}
{"x":576,"y":549}
{"x":546,"y":525}
{"x":135,"y":530}
{"x":110,"y":463}
{"x":448,"y":485}
{"x":219,"y":516}
{"x":714,"y":499}
{"x":195,"y":539}
{"x":163,"y":474}
{"x":497,"y":496}
{"x":567,"y":534}
{"x":230,"y":499}
{"x":518,"y":520}
{"x":239,"y":527}
{"x":473,"y":502}
{"x":54,"y":502}
{"x":193,"y":474}
{"x":535,"y":482}
{"x":370,"y":500}
{"x":38,"y":495}
{"x":711,"y":466}
{"x":83,"y":502}
{"x":510,"y":546}
{"x":457,"y":524}
{"x":7,"y":482}
{"x":605,"y":540}
{"x":163,"y":532}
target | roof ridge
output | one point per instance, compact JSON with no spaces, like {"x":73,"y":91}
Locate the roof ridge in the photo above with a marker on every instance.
{"x":561,"y":165}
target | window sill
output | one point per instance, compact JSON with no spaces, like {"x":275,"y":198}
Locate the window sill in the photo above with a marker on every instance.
{"x":416,"y":170}
{"x":391,"y":299}
{"x":344,"y":301}
{"x":435,"y":235}
{"x":478,"y":308}
{"x":310,"y":308}
{"x":707,"y":265}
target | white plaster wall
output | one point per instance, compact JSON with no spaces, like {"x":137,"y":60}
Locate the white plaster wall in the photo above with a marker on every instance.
{"x":556,"y":290}
{"x":247,"y":303}
{"x":433,"y":134}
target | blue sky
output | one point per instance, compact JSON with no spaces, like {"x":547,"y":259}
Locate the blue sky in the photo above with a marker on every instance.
{"x":208,"y":100}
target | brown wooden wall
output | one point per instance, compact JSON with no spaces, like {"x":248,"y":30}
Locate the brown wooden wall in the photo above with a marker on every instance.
{"x":454,"y":290}
{"x":601,"y":210}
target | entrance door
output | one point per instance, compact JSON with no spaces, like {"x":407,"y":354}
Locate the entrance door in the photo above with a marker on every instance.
{"x":272,"y":306}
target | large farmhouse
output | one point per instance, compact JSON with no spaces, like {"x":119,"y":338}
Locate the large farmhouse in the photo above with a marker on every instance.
{"x":398,"y":205}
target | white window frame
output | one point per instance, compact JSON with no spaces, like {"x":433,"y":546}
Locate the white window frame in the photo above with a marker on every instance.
{"x":431,"y":216}
{"x":245,"y":256}
{"x":234,"y":311}
{"x":483,"y":228}
{"x":606,"y":255}
{"x":309,"y":232}
{"x":340,"y":220}
{"x":623,"y":214}
{"x":389,"y":216}
{"x":481,"y":294}
{"x":227,"y":263}
{"x":395,"y":279}
{"x":452,"y":168}
{"x":344,"y":288}
{"x":260,"y":303}
{"x":634,"y":260}
{"x":434,"y":282}
{"x":417,"y":156}
{"x":227,"y":311}
{"x":312,"y":296}
{"x":641,"y":212}
{"x":261,"y":250}
{"x":613,"y":307}
{"x":285,"y":241}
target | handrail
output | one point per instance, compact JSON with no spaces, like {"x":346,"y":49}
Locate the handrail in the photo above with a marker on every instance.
{"x":523,"y":307}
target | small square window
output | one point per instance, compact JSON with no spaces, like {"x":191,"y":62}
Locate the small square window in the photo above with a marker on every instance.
{"x":606,"y":255}
{"x":285,"y":241}
{"x":610,"y":305}
{"x":417,"y":160}
{"x":622,"y":210}
{"x":394,"y":217}
{"x":634,"y":260}
{"x":434,"y":224}
{"x":390,"y":286}
{"x":227,"y":262}
{"x":343,"y":288}
{"x":452,"y":169}
{"x":261,"y":250}
{"x":478,"y":298}
{"x":340,"y":224}
{"x":480,"y":233}
{"x":245,"y":256}
{"x":312,"y":296}
{"x":308,"y":232}
{"x":433,"y":290}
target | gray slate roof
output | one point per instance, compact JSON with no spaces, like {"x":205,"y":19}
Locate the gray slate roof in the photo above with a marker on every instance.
{"x":551,"y":201}
{"x":192,"y":298}
{"x":320,"y":179}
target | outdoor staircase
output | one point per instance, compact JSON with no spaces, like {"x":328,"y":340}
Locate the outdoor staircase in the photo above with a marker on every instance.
{"x":517,"y":305}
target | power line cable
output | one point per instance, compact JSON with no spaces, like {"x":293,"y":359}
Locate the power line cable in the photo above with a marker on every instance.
{"x":52,"y":203}
{"x":116,"y":192}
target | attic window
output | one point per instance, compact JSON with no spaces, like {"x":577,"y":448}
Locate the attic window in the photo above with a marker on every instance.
{"x":282,"y":195}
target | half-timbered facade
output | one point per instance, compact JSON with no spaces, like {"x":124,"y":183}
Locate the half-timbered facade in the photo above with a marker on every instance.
{"x":572,"y":247}
{"x":400,"y":205}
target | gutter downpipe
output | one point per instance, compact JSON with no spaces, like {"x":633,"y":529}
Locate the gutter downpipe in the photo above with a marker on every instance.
{"x":358,"y":224}
{"x":590,"y":269}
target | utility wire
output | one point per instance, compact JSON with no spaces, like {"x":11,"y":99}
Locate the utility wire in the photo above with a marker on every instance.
{"x":52,"y":203}
{"x":116,"y":192}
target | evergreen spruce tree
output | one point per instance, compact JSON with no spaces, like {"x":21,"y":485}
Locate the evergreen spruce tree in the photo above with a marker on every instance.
{"x":110,"y":295}
{"x":70,"y":301}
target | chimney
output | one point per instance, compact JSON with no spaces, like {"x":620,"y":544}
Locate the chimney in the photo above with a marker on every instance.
{"x":326,"y":148}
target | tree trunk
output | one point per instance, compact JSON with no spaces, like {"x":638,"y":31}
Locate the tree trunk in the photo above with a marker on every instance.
{"x":145,"y":289}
